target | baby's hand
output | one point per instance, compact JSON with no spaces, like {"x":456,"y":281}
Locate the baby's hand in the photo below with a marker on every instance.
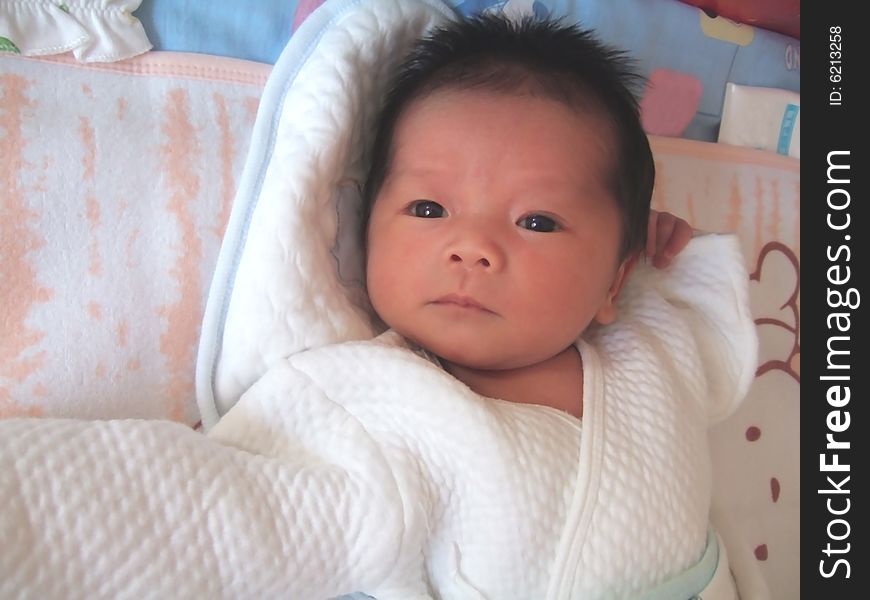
{"x":666,"y":235}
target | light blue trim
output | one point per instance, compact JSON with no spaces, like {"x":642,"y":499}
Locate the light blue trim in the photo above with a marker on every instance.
{"x":263,"y":138}
{"x":690,"y":583}
{"x":786,"y":128}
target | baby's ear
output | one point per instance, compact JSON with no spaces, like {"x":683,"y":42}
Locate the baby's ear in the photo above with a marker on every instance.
{"x":607,"y":311}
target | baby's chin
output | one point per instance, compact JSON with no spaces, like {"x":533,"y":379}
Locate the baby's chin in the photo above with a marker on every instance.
{"x":472,"y":363}
{"x":467,"y":355}
{"x":479,"y":356}
{"x":482,"y":349}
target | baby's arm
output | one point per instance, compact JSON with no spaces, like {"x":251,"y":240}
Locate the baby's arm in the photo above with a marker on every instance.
{"x":705,"y":323}
{"x":153,"y":509}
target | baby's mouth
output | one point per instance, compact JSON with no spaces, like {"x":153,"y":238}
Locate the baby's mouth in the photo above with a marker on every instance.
{"x":461,"y":301}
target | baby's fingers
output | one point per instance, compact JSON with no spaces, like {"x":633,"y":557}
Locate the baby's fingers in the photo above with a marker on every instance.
{"x":667,"y":236}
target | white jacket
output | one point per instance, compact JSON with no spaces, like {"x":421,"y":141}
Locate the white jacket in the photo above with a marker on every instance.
{"x":365,"y":467}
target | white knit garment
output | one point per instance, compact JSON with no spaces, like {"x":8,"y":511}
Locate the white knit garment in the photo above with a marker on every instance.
{"x":364,"y":467}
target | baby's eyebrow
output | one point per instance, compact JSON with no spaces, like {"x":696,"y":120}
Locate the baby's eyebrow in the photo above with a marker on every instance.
{"x":558,"y":187}
{"x":426,"y":170}
{"x":416,"y":175}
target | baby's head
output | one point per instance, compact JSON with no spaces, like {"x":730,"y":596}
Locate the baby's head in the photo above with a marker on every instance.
{"x":509,"y":191}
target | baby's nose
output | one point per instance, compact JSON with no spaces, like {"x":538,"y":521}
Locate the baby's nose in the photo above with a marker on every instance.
{"x":470,"y":259}
{"x":476,"y":252}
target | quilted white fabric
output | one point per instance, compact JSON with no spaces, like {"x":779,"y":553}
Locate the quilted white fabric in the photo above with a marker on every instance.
{"x":363,"y":466}
{"x":275,"y":290}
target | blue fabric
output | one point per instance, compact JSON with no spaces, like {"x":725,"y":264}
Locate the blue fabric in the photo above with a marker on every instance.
{"x":249,"y":29}
{"x":689,"y":584}
{"x":666,"y":34}
{"x":660,"y":34}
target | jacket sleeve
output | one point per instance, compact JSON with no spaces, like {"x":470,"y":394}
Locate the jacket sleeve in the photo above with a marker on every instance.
{"x":698,"y":308}
{"x":287,"y":497}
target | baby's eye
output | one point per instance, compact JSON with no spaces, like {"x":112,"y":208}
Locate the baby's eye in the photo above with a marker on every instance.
{"x":538,"y":223}
{"x":426,"y":209}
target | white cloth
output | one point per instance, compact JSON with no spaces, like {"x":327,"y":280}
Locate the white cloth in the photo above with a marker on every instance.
{"x":94,"y":30}
{"x":364,"y":467}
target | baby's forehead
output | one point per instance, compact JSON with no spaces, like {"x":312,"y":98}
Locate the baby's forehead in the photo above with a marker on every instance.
{"x":574,"y":108}
{"x":583,"y":103}
{"x":428,"y":124}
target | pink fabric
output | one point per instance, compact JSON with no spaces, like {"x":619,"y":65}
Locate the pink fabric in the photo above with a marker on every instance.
{"x":303,"y":9}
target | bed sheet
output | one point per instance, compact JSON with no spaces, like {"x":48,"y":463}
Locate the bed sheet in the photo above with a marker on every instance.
{"x":118,"y":180}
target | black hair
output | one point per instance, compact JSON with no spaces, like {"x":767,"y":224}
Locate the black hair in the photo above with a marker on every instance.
{"x":562,"y":62}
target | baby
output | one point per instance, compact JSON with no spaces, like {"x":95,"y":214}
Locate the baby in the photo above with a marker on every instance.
{"x":531,"y":425}
{"x":509,"y":199}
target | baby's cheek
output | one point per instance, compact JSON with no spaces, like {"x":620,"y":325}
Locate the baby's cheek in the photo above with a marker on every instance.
{"x":549,"y":281}
{"x":566,"y":299}
{"x":387,"y":283}
{"x":378,"y":282}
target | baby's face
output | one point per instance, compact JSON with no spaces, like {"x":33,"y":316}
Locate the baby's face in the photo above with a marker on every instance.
{"x":495,"y":239}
